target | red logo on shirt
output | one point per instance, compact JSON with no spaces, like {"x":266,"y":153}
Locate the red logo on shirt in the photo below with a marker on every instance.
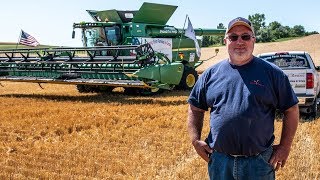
{"x":256,"y":82}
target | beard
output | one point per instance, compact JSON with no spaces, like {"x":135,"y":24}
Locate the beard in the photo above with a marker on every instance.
{"x":240,"y":54}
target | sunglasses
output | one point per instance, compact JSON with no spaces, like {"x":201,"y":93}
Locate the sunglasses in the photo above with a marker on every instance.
{"x":244,"y":37}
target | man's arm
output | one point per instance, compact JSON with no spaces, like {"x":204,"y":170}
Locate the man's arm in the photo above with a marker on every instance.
{"x":289,"y":127}
{"x":195,"y":124}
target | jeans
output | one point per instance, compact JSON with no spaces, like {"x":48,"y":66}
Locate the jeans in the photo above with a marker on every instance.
{"x":224,"y":167}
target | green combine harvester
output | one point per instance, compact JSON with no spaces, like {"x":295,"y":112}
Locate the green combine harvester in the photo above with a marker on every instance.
{"x":135,"y":50}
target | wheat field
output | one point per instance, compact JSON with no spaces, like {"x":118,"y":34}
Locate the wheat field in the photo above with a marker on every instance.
{"x":58,"y":133}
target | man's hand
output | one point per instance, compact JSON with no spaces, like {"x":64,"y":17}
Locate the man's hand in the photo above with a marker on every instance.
{"x":279,"y":156}
{"x":195,"y":123}
{"x":202,"y":149}
{"x":290,"y":123}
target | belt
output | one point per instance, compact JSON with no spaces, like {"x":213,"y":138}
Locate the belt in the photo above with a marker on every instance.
{"x":235,"y":155}
{"x":246,"y":156}
{"x":239,"y":155}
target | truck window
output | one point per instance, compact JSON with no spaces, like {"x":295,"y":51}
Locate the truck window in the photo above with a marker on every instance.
{"x":288,"y":61}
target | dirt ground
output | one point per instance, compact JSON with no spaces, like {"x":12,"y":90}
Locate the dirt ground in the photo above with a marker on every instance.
{"x":309,"y":43}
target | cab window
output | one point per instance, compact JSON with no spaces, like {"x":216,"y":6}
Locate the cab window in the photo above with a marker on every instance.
{"x":113,"y":35}
{"x":288,"y":61}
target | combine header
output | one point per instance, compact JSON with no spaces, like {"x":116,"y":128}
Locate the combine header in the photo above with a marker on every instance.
{"x":131,"y":49}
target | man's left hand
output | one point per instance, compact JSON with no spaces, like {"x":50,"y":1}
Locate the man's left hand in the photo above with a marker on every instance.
{"x":279,"y":156}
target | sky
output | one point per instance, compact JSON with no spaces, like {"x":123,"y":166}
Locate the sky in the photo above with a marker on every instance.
{"x":50,"y":21}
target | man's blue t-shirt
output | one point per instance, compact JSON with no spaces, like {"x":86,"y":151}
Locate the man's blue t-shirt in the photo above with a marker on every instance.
{"x":242,"y":101}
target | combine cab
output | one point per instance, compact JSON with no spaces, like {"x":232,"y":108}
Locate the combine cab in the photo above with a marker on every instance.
{"x":131,"y":49}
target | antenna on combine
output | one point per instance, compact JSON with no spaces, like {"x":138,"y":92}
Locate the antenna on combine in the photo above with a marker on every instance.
{"x":184,"y":24}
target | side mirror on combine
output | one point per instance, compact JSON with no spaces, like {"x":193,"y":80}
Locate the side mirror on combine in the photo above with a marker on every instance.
{"x":73,"y":34}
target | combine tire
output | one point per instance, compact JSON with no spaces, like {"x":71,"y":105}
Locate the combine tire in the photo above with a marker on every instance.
{"x":189,"y":78}
{"x":104,"y":89}
{"x":131,"y":91}
{"x":91,"y":89}
{"x":142,"y":91}
{"x":82,"y":88}
{"x":150,"y":91}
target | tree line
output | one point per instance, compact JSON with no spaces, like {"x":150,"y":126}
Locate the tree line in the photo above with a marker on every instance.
{"x":263,"y":32}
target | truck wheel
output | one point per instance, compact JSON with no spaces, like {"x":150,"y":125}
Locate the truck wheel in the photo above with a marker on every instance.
{"x":314,"y":109}
{"x":189,"y":78}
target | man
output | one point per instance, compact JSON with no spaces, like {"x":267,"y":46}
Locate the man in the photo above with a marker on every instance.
{"x":243,"y":93}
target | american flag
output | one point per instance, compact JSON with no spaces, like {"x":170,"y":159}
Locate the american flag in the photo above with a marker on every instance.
{"x":28,"y":40}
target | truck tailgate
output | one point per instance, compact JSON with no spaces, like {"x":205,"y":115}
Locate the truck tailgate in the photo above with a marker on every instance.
{"x":297,"y":78}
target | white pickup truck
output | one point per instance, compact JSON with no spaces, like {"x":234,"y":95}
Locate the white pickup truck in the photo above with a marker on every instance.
{"x":303,"y":76}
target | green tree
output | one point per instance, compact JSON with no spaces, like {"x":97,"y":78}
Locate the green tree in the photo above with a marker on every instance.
{"x":219,"y":39}
{"x":312,"y":32}
{"x":298,"y":31}
{"x":278,"y":31}
{"x":205,"y":41}
{"x":258,"y":22}
{"x":275,"y":30}
{"x":221,"y":26}
{"x":274,"y":25}
{"x":213,"y":40}
{"x":264,"y":35}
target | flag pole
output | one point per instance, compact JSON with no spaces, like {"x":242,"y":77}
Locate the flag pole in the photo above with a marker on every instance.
{"x":184,"y":24}
{"x":19,"y":39}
